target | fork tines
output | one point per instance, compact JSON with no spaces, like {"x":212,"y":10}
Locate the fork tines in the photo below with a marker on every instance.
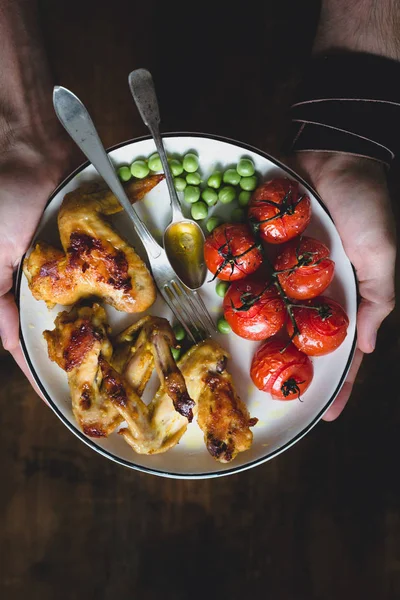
{"x":189,"y":309}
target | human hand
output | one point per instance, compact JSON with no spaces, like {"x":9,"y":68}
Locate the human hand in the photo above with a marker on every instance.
{"x":28,"y":175}
{"x":355,"y":192}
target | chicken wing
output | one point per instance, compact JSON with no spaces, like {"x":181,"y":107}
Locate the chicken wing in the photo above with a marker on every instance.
{"x":79,"y":344}
{"x":153,"y":336}
{"x":107,"y":384}
{"x":79,"y":338}
{"x":221,"y":414}
{"x":95,"y":260}
{"x":151,"y":429}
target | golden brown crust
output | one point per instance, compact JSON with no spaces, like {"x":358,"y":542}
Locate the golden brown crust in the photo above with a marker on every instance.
{"x":136,"y":189}
{"x":96,"y":261}
{"x":221,"y":414}
{"x":107,"y":384}
{"x":106,"y":388}
{"x":224,"y":418}
{"x":75,"y":344}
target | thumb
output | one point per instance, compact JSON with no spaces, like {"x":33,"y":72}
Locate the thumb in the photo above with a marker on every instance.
{"x":377,"y":290}
{"x":9,"y":333}
{"x":9,"y":323}
{"x":369,"y":319}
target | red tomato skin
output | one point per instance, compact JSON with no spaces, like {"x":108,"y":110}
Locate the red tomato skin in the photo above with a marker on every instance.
{"x":264,"y":319}
{"x":286,"y":227}
{"x":270,"y":369}
{"x":240,"y":239}
{"x":306,"y":281}
{"x":318,"y":337}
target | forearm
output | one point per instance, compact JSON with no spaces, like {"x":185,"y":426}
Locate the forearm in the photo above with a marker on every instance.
{"x":371,"y":26}
{"x":30,"y":132}
{"x":366,"y":33}
{"x":26,"y":111}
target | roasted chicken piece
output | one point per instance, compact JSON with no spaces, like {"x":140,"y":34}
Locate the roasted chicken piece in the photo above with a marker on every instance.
{"x":95,"y":260}
{"x":221,"y":414}
{"x":80,"y":346}
{"x":79,"y":338}
{"x":145,"y":345}
{"x":151,"y":429}
{"x":158,"y":426}
{"x":106,"y":385}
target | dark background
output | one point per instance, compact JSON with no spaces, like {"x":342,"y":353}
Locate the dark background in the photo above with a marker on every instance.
{"x":320,"y":521}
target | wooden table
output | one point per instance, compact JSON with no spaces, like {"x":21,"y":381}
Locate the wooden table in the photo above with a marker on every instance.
{"x":320,"y":521}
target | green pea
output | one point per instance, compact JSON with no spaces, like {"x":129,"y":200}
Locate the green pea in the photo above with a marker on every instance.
{"x":190,"y":162}
{"x":193,"y":178}
{"x":221,"y":288}
{"x":124,"y":173}
{"x":223,"y":326}
{"x":176,"y":167}
{"x":179,"y":332}
{"x":215,"y":180}
{"x":180,"y":184}
{"x":154,"y":162}
{"x":238,"y":215}
{"x":245,"y":167}
{"x":139,"y":169}
{"x":244,"y":198}
{"x":248,"y":183}
{"x":226,"y":194}
{"x":192,"y":194}
{"x":199,"y":210}
{"x":176,"y":352}
{"x":210,"y":196}
{"x":212,"y":223}
{"x":231,"y":176}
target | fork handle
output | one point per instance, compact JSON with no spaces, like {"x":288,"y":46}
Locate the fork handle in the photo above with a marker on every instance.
{"x":143,"y":91}
{"x":75,"y":118}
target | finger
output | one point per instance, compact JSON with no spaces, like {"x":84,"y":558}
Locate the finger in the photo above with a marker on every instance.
{"x":9,"y":322}
{"x":9,"y":333}
{"x":369,"y":319}
{"x":340,"y":402}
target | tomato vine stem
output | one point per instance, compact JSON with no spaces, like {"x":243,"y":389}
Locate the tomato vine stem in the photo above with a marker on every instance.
{"x":286,"y":207}
{"x":231,"y":259}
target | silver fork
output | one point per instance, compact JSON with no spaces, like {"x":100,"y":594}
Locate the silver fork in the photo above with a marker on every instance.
{"x":188,"y":307}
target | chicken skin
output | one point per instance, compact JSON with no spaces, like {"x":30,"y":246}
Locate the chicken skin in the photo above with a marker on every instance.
{"x":79,"y":338}
{"x":221,"y":414}
{"x":107,"y":382}
{"x":95,"y":260}
{"x":102,"y":397}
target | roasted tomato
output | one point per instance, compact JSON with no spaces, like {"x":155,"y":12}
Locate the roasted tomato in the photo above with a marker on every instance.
{"x":322,"y":325}
{"x":254,"y":309}
{"x":283,"y":373}
{"x":278,"y":212}
{"x":306,"y":270}
{"x":231,"y":252}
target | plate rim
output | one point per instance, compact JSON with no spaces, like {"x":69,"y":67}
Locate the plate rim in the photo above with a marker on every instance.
{"x":71,"y":426}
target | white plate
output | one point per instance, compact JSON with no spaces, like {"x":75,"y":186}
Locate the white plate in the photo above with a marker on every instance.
{"x":280,"y":424}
